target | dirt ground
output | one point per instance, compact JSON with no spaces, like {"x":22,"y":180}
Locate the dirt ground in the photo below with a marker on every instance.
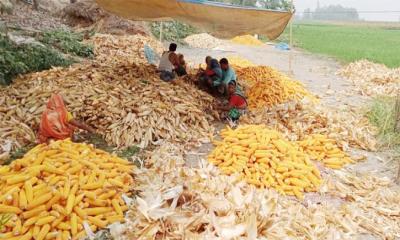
{"x":318,"y":73}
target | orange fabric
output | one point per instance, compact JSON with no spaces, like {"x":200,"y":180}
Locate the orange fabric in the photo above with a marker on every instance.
{"x":54,"y":123}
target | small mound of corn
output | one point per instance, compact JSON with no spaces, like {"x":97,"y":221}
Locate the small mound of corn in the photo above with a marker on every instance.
{"x":54,"y":189}
{"x":269,"y":87}
{"x":264,"y":158}
{"x":326,"y":150}
{"x":240,"y":61}
{"x":247,"y":40}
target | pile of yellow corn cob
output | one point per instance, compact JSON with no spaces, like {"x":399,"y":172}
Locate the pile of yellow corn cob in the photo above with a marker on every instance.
{"x":247,"y":40}
{"x":268,"y":87}
{"x":326,"y":150}
{"x":56,"y":189}
{"x":238,"y":61}
{"x":264,"y":158}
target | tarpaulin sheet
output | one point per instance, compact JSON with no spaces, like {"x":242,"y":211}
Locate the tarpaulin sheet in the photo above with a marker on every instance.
{"x":220,"y":20}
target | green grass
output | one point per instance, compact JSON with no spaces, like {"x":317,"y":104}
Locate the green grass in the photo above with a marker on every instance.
{"x":67,"y":42}
{"x":349,"y":43}
{"x":20,"y":59}
{"x":382,"y":114}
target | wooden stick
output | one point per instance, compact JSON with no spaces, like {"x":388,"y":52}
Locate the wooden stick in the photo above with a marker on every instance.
{"x":397,"y":130}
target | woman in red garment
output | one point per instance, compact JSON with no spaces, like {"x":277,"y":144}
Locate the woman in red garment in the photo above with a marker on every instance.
{"x":57,"y":123}
{"x":237,"y":104}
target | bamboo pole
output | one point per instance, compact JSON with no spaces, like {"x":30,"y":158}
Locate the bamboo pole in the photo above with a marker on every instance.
{"x":291,"y":39}
{"x":161,"y":30}
{"x":397,"y":130}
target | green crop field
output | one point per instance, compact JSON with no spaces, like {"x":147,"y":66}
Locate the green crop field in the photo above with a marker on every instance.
{"x":349,"y":42}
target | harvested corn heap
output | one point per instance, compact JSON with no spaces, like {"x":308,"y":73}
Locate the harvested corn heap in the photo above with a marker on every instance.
{"x":54,"y":190}
{"x":270,"y":87}
{"x":296,"y":120}
{"x":203,"y":40}
{"x":247,"y":40}
{"x":174,"y":201}
{"x":264,"y":158}
{"x":372,"y":79}
{"x":127,"y":103}
{"x":323,"y":149}
{"x":240,"y":61}
{"x":127,"y":48}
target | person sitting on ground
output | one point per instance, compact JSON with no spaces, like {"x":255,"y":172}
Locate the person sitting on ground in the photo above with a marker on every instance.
{"x":180,"y":69}
{"x":228,"y":75}
{"x":57,"y":123}
{"x":237,"y":104}
{"x":168,"y":61}
{"x":202,"y":72}
{"x":212,"y":73}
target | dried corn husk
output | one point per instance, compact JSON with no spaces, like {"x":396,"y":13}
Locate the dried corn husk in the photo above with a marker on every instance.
{"x":111,"y":49}
{"x":372,"y":79}
{"x":177,"y":202}
{"x":203,"y":40}
{"x":127,"y":103}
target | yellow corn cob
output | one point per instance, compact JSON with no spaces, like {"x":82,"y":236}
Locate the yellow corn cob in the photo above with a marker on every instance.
{"x":9,"y":209}
{"x":98,"y":222}
{"x":74,"y":224}
{"x":45,"y":220}
{"x":97,"y":210}
{"x":43,"y":232}
{"x":39,"y":200}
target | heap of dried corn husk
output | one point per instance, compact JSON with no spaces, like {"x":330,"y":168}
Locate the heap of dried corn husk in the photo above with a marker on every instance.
{"x":264,"y":158}
{"x":268,"y":87}
{"x":128,"y":104}
{"x":111,"y":49}
{"x":247,"y":40}
{"x":296,"y":121}
{"x":372,"y":78}
{"x":55,"y":189}
{"x":177,"y":202}
{"x":240,"y":61}
{"x":326,"y":150}
{"x":203,"y":40}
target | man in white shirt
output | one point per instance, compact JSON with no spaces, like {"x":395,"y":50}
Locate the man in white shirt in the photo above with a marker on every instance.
{"x":168,"y":61}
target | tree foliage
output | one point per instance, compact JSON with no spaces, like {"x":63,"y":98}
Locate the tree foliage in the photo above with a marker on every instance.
{"x":332,"y":12}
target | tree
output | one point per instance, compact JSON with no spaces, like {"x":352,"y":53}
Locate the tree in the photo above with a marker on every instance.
{"x":307,"y":15}
{"x":335,"y":12}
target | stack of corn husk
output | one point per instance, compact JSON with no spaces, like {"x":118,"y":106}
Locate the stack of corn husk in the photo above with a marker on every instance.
{"x":372,"y":79}
{"x":264,"y":158}
{"x":347,"y":126}
{"x":238,"y":61}
{"x":203,"y":40}
{"x":110,"y":49}
{"x":127,"y":103}
{"x":268,"y":87}
{"x":60,"y":190}
{"x":177,"y":202}
{"x":247,"y":40}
